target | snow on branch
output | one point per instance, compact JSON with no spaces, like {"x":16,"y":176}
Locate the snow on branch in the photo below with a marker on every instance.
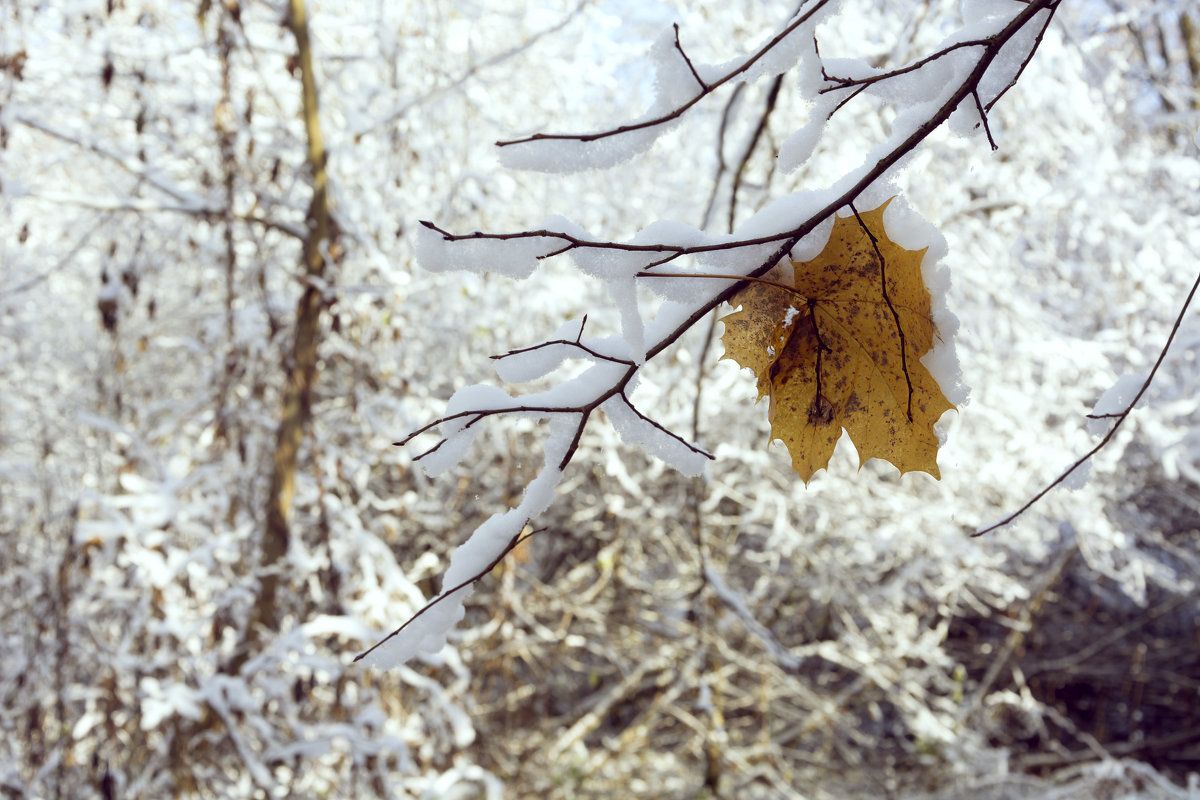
{"x":979,"y":62}
{"x":679,"y":85}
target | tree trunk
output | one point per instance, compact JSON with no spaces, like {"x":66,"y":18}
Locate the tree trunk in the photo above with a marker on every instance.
{"x":302,"y":365}
{"x":1190,"y":31}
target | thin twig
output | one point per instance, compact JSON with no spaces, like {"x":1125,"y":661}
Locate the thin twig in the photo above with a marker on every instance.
{"x":983,"y":120}
{"x":661,"y":427}
{"x":446,"y":593}
{"x":1037,"y":43}
{"x":468,"y":74}
{"x":578,"y":343}
{"x":1120,"y":418}
{"x":721,"y":165}
{"x":686,"y":60}
{"x":768,"y":108}
{"x":862,"y":84}
{"x":480,"y":414}
{"x":680,"y":110}
{"x":573,"y":242}
{"x":739,"y":278}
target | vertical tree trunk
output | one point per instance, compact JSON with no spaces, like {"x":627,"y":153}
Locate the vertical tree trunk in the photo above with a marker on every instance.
{"x":1190,"y":31}
{"x":226,"y":139}
{"x":302,"y":366}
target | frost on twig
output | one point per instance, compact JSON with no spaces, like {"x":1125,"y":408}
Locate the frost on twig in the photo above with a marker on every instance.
{"x":973,"y":69}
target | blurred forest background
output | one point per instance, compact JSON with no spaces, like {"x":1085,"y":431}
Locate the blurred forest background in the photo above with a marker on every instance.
{"x":209,"y":339}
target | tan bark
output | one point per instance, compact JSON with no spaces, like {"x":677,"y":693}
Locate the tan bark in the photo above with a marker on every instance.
{"x":1191,"y":40}
{"x":302,"y":369}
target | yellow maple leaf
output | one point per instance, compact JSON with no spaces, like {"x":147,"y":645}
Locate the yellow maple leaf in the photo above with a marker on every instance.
{"x":840,"y":346}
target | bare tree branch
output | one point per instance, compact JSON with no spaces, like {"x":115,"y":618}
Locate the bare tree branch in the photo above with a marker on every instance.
{"x":1120,"y":418}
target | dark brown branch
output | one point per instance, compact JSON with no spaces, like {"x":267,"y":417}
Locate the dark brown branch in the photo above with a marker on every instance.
{"x":772,"y":99}
{"x":1119,"y":417}
{"x":673,"y":435}
{"x":686,"y":60}
{"x":983,"y":120}
{"x":787,"y":239}
{"x":739,"y":278}
{"x":573,"y":242}
{"x":447,"y":593}
{"x":578,"y":343}
{"x":888,"y":299}
{"x":883,"y":165}
{"x":593,"y":353}
{"x":480,"y":414}
{"x":862,"y":83}
{"x":859,"y":90}
{"x":1037,"y":42}
{"x":679,"y":111}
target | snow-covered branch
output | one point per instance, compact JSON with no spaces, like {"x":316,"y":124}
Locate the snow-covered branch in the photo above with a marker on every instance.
{"x":979,"y":61}
{"x":681,"y":84}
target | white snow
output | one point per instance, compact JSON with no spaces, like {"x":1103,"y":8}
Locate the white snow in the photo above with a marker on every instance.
{"x":515,"y":258}
{"x":637,"y":431}
{"x":160,"y":700}
{"x":798,"y":147}
{"x":427,"y":632}
{"x":674,"y":86}
{"x":1115,"y":400}
{"x":458,"y":433}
